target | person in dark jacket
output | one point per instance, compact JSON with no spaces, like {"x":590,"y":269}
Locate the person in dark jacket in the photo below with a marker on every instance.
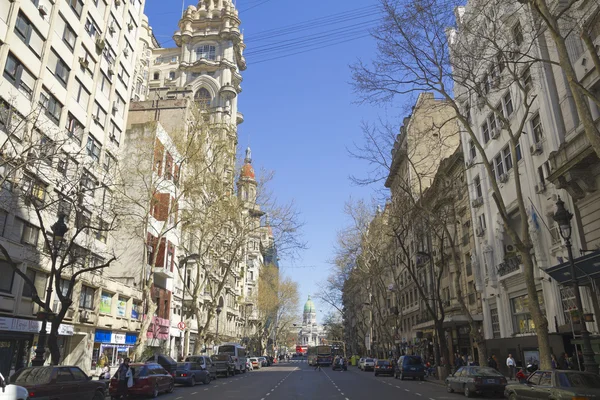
{"x":122,"y":376}
{"x":492,"y":362}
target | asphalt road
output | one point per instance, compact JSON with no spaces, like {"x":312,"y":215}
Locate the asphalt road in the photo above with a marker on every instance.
{"x":299,"y":381}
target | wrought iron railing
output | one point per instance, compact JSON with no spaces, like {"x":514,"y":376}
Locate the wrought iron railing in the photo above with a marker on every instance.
{"x":510,"y":264}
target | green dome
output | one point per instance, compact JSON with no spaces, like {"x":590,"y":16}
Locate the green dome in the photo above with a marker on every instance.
{"x":309,"y":307}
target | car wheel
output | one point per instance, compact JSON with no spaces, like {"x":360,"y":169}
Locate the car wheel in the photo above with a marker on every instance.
{"x":512,"y":396}
{"x":155,"y":391}
{"x":98,"y":396}
{"x":172,"y":387}
{"x":207,"y":379}
{"x":468,"y":392}
{"x":193,"y":381}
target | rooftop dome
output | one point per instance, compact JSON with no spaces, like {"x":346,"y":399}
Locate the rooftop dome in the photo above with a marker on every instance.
{"x":309,"y":307}
{"x":247,"y":170}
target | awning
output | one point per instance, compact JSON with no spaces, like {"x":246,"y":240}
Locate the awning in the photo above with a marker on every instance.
{"x":586,"y":267}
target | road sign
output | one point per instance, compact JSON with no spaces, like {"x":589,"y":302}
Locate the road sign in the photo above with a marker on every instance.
{"x":181,"y":326}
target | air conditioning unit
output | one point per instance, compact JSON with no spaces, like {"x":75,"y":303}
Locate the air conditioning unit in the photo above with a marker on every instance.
{"x":115,"y":108}
{"x":130,"y":26}
{"x":100,"y":44}
{"x":84,"y":63}
{"x":503,"y":178}
{"x":495,"y":133}
{"x":110,"y":71}
{"x":477,"y":202}
{"x":536,"y":148}
{"x":96,"y":119}
{"x":70,"y":313}
{"x":510,"y":248}
{"x":111,"y":29}
{"x":479,"y":231}
{"x":43,"y":10}
{"x":540,"y":187}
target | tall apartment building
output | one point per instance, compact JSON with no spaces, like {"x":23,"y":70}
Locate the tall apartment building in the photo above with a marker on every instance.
{"x":67,"y":68}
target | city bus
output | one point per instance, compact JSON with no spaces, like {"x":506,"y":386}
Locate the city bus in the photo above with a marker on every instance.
{"x":301,"y":350}
{"x":238,"y":352}
{"x":324,"y":355}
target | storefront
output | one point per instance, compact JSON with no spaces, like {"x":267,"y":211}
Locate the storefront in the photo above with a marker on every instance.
{"x":18,"y":341}
{"x":111,"y":348}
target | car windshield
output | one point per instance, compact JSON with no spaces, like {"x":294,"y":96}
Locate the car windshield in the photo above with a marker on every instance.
{"x":484,"y":372}
{"x":369,"y":360}
{"x":228,"y":349}
{"x":574,"y":379}
{"x":412,"y":361}
{"x":32,"y":376}
{"x":383,"y":363}
{"x":183,"y":365}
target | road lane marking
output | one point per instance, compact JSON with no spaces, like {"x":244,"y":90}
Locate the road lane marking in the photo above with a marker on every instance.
{"x":205,"y":389}
{"x":431,"y":398}
{"x":195,"y":393}
{"x":178,"y":398}
{"x":398,"y":387}
{"x":406,"y":390}
{"x":268,"y":394}
{"x":418,"y":394}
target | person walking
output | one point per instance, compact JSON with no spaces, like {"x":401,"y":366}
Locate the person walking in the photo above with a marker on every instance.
{"x":511,"y":364}
{"x":123,"y":374}
{"x":492,"y":362}
{"x":553,"y":361}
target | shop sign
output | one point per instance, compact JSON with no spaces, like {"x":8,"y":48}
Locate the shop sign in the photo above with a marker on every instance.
{"x":118,"y":338}
{"x":31,"y":326}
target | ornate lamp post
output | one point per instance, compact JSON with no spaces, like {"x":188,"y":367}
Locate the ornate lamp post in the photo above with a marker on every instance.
{"x":563,"y":218}
{"x":58,"y":230}
{"x":219,"y":309}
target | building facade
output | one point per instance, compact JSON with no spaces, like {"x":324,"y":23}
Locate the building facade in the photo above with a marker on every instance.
{"x":311,"y":333}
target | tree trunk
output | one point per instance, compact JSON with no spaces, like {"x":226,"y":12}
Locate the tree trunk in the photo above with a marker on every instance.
{"x":541,"y":323}
{"x":140,"y":343}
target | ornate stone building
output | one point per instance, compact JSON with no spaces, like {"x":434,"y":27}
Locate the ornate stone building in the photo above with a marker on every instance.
{"x":311,"y":332}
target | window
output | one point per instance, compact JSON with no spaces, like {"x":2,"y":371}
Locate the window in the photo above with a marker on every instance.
{"x":468,"y":266}
{"x":156,"y":76}
{"x":206,"y":52}
{"x":114,"y":133}
{"x":100,"y":5}
{"x":109,"y":161}
{"x":51,"y":105}
{"x":63,"y":286}
{"x":81,"y":94}
{"x":500,"y":62}
{"x":39,"y":281}
{"x":123,"y":76}
{"x":8,"y":274}
{"x":518,"y":151}
{"x":104,"y":84}
{"x":203,"y":98}
{"x":536,"y":126}
{"x":33,"y":189}
{"x":507,"y":155}
{"x":76,"y":6}
{"x":485,"y":132}
{"x":109,"y":54}
{"x":83,"y":220}
{"x":74,"y":127}
{"x":86,"y":297}
{"x":508,"y":105}
{"x":99,"y":115}
{"x":118,"y":107}
{"x":172,"y":75}
{"x":18,"y":75}
{"x":102,"y":232}
{"x":499,"y":164}
{"x":47,"y":149}
{"x":492,"y":123}
{"x":69,"y":36}
{"x":495,"y":322}
{"x":88,"y":63}
{"x":25,"y":30}
{"x":522,"y":320}
{"x":93,"y":148}
{"x":59,"y":68}
{"x":88,"y":182}
{"x":477,"y":184}
{"x":481,"y":221}
{"x":91,"y":27}
{"x":526,"y":78}
{"x":517,"y":33}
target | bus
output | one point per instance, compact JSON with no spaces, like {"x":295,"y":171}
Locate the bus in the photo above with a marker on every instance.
{"x":301,"y":350}
{"x":238,"y":352}
{"x":324,"y":355}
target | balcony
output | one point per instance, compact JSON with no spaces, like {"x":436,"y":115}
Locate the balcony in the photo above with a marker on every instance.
{"x":239,"y":118}
{"x":163,"y":272}
{"x":510,"y":265}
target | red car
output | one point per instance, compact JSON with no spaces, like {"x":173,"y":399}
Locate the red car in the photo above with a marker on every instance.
{"x":148,"y":380}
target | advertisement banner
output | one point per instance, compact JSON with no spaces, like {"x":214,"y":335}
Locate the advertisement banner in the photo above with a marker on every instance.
{"x":121,"y":308}
{"x":105,"y":303}
{"x":31,"y":326}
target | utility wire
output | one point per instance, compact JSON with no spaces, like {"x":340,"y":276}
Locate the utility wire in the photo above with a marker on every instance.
{"x":254,"y":6}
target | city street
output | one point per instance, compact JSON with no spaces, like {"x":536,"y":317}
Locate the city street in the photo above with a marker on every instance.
{"x":300,"y":381}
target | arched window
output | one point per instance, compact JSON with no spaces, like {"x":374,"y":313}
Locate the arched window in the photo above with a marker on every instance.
{"x":156,"y":76}
{"x":203,"y":98}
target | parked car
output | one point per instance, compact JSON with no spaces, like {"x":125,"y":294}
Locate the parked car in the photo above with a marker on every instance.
{"x":224,"y":363}
{"x":368,"y":364}
{"x":263,"y":361}
{"x":149,"y":379}
{"x":190,"y":373}
{"x":384,"y":367}
{"x":361,"y":363}
{"x":556,"y":385}
{"x":410,"y":367}
{"x":476,"y":380}
{"x":206,"y":363}
{"x":12,"y":392}
{"x":249,"y":365}
{"x":255,"y":362}
{"x":164,"y":361}
{"x":58,"y":383}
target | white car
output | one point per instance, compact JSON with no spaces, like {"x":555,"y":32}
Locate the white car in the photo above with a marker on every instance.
{"x":369,"y":364}
{"x":361,"y":363}
{"x":12,"y":392}
{"x":255,"y":362}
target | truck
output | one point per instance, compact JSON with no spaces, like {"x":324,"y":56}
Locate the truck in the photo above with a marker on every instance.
{"x":225,"y":364}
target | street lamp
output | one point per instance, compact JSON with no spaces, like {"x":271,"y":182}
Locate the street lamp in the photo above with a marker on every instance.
{"x":183,"y":264}
{"x":59,"y":229}
{"x":563,"y":218}
{"x":219,"y":309}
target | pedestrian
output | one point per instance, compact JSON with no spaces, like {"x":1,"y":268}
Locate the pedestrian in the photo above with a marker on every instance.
{"x":123,"y":374}
{"x":553,"y":361}
{"x":510,"y":363}
{"x":564,"y":362}
{"x":492,"y":362}
{"x":317,"y":367}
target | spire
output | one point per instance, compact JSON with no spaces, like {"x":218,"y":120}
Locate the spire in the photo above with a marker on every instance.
{"x":247,"y":170}
{"x":248,"y":159}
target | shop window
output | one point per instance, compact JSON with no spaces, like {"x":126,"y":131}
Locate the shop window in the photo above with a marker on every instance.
{"x":39,"y":281}
{"x":522,"y":319}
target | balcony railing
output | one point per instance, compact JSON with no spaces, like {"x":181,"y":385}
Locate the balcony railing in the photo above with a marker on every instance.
{"x":510,"y":264}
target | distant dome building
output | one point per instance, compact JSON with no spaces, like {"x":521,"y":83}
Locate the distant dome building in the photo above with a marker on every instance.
{"x":311,"y":332}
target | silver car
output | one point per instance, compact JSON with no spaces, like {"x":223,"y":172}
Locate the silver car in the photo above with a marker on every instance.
{"x":369,"y":364}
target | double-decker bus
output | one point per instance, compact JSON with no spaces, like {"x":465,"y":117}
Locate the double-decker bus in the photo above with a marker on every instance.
{"x":301,"y":350}
{"x":324,"y":355}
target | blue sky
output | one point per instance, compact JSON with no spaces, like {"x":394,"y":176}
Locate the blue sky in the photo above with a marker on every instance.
{"x":299,"y":118}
